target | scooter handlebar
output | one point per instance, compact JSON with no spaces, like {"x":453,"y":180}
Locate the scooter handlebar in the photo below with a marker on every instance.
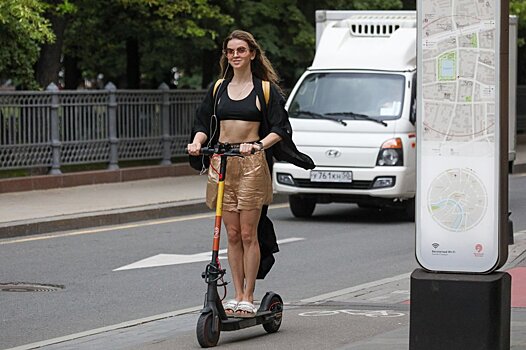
{"x":208,"y":151}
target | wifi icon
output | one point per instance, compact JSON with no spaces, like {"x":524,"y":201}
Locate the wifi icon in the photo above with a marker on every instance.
{"x":435,"y":245}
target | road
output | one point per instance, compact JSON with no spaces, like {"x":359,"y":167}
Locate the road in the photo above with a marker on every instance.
{"x":340,"y":247}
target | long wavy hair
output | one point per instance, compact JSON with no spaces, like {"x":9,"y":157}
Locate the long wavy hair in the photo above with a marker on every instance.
{"x":260,"y":65}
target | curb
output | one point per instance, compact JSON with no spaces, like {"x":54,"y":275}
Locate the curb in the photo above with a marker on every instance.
{"x":108,"y":217}
{"x":93,"y":177}
{"x":519,"y":169}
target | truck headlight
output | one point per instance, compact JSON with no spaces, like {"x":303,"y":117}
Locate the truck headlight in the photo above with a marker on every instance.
{"x":391,"y":153}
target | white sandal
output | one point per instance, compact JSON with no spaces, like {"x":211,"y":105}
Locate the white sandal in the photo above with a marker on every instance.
{"x":231,"y":307}
{"x":249,"y":310}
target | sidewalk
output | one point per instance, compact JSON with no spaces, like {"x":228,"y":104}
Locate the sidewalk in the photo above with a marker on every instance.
{"x":69,"y":208}
{"x":33,"y":212}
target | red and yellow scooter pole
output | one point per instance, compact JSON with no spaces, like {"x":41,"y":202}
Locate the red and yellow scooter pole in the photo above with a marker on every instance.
{"x":219,"y":206}
{"x":219,"y":212}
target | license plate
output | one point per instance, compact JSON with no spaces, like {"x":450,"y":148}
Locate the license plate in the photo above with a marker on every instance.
{"x":330,"y":176}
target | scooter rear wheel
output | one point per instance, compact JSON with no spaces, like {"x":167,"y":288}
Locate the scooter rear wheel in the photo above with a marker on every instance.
{"x":274,"y":305}
{"x":206,"y":336}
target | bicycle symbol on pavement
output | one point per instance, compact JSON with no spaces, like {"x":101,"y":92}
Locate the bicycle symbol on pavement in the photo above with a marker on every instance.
{"x":366,"y":313}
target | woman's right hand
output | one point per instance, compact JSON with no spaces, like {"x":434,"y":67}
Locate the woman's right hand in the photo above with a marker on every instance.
{"x":194,"y":149}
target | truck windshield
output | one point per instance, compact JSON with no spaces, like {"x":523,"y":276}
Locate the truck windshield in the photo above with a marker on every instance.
{"x":346,"y":95}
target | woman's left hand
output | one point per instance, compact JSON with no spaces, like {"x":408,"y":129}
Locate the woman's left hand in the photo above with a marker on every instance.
{"x":246,"y":148}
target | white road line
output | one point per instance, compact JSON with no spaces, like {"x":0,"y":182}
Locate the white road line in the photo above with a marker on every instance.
{"x":105,"y":329}
{"x":355,"y":288}
{"x":119,"y":227}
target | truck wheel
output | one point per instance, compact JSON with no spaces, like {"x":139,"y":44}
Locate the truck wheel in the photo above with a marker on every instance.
{"x":409,"y":209}
{"x":301,"y":207}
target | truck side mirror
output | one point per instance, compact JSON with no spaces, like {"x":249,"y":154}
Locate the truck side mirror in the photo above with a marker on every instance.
{"x":412,"y":113}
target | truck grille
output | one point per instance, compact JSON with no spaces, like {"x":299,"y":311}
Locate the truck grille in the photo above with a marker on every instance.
{"x":355,"y":185}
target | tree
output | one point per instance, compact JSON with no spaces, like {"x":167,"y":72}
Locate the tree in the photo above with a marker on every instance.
{"x":24,"y":29}
{"x":133,"y":42}
{"x":49,"y":62}
{"x":137,"y":43}
{"x":285,"y":29}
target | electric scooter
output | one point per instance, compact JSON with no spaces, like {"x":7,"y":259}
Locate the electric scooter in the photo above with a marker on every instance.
{"x":213,"y":318}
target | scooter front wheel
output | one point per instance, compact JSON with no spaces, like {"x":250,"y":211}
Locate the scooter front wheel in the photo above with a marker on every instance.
{"x":273,"y":304}
{"x":208,"y":330}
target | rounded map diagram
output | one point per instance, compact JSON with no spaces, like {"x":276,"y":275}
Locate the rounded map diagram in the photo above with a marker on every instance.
{"x":457,"y":199}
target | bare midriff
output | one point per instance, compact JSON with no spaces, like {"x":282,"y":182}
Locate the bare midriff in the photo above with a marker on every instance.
{"x":238,"y":131}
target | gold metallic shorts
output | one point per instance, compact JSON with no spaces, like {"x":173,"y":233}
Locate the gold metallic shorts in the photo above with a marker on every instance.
{"x":247,"y":185}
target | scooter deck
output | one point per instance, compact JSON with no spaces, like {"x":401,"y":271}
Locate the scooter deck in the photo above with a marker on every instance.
{"x":235,"y":323}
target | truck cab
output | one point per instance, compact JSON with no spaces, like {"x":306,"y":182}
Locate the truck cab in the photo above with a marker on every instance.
{"x":353,"y":112}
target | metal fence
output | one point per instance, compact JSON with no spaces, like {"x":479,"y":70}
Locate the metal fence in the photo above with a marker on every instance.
{"x":54,"y":128}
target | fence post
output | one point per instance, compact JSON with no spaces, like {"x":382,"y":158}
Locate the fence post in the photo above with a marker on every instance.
{"x":165,"y":118}
{"x":112,"y":126}
{"x":56,"y":145}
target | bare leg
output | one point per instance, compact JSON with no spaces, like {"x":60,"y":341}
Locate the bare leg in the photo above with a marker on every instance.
{"x":235,"y":251}
{"x":249,"y":220}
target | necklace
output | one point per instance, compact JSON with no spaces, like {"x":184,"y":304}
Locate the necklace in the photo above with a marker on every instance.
{"x":238,"y":95}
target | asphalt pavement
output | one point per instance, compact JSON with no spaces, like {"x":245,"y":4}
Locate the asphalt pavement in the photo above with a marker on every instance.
{"x":61,"y":209}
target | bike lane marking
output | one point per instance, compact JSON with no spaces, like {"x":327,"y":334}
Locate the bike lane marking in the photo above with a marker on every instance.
{"x":366,"y":313}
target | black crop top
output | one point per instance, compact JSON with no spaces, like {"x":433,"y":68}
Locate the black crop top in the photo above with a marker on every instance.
{"x":245,"y":109}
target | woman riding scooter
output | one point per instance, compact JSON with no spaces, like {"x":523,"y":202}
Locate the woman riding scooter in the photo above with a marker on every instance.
{"x":238,"y":114}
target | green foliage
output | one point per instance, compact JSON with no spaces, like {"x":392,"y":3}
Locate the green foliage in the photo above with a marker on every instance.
{"x":283,"y":32}
{"x":98,"y":34}
{"x":286,"y":28}
{"x":179,"y":33}
{"x":186,"y":34}
{"x":24,"y":29}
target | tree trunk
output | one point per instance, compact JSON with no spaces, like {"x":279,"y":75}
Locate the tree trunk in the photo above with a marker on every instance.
{"x":73,"y":75}
{"x":133,"y":71}
{"x":48,"y":64}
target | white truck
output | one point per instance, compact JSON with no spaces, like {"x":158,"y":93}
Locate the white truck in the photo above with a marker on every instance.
{"x":353,"y":111}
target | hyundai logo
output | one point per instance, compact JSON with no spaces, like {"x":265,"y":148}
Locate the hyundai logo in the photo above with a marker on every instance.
{"x":333,"y":153}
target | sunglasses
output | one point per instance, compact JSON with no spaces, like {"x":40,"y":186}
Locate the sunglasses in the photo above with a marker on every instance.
{"x":241,"y":51}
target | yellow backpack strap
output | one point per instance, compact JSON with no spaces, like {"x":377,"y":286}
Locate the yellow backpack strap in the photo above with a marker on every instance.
{"x":218,"y":82}
{"x":266,"y":90}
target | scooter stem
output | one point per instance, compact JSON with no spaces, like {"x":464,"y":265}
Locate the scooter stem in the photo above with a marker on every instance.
{"x":219,"y":207}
